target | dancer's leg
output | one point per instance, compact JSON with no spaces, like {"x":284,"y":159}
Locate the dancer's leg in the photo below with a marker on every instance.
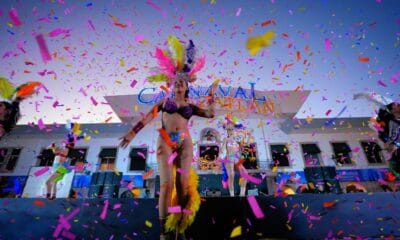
{"x":231,"y":177}
{"x":242,"y":181}
{"x":166,"y":183}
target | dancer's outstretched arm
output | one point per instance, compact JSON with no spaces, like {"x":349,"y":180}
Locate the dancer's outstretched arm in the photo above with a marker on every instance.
{"x":127,"y":138}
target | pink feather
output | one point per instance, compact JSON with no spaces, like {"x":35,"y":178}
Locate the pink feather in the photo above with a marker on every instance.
{"x":166,"y":64}
{"x":198,"y":65}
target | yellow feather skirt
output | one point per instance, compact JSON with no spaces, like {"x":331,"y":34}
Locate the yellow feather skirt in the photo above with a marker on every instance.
{"x":179,"y":222}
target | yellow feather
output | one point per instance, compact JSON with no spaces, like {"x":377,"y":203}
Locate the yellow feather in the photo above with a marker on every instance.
{"x":6,"y":88}
{"x":178,"y":52}
{"x":255,"y":44}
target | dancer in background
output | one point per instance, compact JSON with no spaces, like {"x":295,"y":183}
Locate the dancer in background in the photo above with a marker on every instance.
{"x":178,"y":182}
{"x":387,"y":124}
{"x":61,"y":163}
{"x":231,"y":151}
{"x":60,"y":166}
{"x":9,"y":109}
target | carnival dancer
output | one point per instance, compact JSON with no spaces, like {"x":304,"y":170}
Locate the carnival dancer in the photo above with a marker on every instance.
{"x":9,"y":108}
{"x":387,"y":124}
{"x":61,"y":163}
{"x":231,"y":152}
{"x":178,"y":181}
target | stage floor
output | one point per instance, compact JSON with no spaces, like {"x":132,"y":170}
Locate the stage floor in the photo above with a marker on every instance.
{"x":306,"y":216}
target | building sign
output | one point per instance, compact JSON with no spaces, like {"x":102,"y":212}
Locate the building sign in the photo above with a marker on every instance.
{"x":227,"y":98}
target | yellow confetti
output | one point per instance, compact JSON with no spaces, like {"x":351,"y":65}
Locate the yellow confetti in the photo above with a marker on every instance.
{"x":255,"y":44}
{"x":237,"y":231}
{"x":148,"y":224}
{"x":289,"y":227}
{"x":116,"y":171}
{"x":122,"y":62}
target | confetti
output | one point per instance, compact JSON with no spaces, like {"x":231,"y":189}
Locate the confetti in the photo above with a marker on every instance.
{"x":255,"y":44}
{"x":237,"y":231}
{"x":41,"y":171}
{"x":255,"y":207}
{"x":44,"y":51}
{"x":14,"y":17}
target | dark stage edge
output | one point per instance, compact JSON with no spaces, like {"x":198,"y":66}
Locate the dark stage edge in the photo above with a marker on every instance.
{"x":369,"y":216}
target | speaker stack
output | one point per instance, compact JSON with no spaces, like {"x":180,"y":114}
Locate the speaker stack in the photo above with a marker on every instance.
{"x":323,"y":179}
{"x":104,"y":185}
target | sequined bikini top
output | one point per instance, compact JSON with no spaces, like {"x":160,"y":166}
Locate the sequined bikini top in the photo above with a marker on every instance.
{"x":171,"y":107}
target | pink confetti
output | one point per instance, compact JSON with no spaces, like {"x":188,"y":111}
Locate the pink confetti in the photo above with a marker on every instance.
{"x":175,"y":209}
{"x":41,"y":124}
{"x":58,"y":31}
{"x":222,"y":53}
{"x":41,"y":171}
{"x":133,"y":83}
{"x":91,"y":25}
{"x":172,"y":157}
{"x":81,"y":90}
{"x":14,"y":17}
{"x":290,"y":215}
{"x":139,"y":38}
{"x":104,"y":211}
{"x":380,"y":82}
{"x":142,"y":155}
{"x":93,"y":101}
{"x":187,"y":212}
{"x":130,"y":186}
{"x":68,"y":234}
{"x":328,"y":44}
{"x":255,"y":207}
{"x":117,"y":205}
{"x":64,"y":222}
{"x":55,"y":104}
{"x":311,"y":217}
{"x":250,"y":178}
{"x":181,"y":171}
{"x":327,"y":112}
{"x":44,"y":51}
{"x":357,"y":149}
{"x":238,"y":12}
{"x":156,"y":7}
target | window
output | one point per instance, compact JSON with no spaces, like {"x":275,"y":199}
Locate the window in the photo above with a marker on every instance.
{"x":280,"y":155}
{"x":249,"y":155}
{"x":107,"y":158}
{"x":77,"y":158}
{"x":8,"y":158}
{"x":342,"y":153}
{"x":46,"y":157}
{"x":372,"y":151}
{"x":138,"y":156}
{"x":208,"y":155}
{"x":311,"y":154}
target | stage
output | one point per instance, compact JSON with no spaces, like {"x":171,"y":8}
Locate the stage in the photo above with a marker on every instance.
{"x":316,"y":216}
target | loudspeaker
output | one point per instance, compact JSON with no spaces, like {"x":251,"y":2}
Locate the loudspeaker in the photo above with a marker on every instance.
{"x":93,"y":179}
{"x":117,"y":179}
{"x":109,"y":178}
{"x":329,"y":172}
{"x":213,"y":193}
{"x":95,"y":191}
{"x":110,"y":191}
{"x":333,"y":186}
{"x":313,"y":174}
{"x":127,"y":194}
{"x":100,"y":178}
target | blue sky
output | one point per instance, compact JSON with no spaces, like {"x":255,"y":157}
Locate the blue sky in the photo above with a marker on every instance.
{"x":95,"y":54}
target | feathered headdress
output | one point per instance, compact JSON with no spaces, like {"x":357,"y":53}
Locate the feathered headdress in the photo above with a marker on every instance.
{"x":8,"y":90}
{"x":175,"y":61}
{"x":229,"y":119}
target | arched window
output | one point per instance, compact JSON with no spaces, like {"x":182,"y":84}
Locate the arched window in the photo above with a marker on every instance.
{"x":209,"y":146}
